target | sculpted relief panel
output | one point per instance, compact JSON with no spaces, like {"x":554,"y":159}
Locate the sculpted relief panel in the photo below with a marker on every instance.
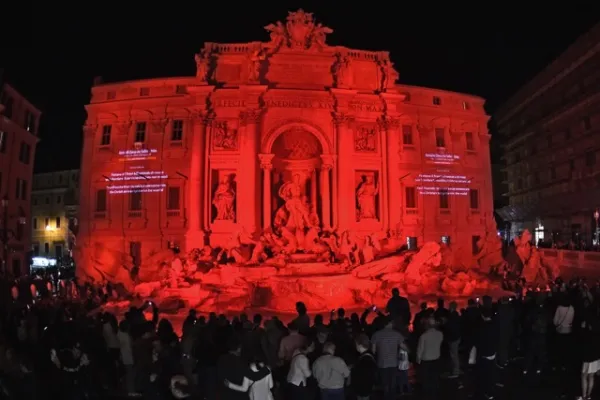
{"x":224,"y":137}
{"x":365,"y":139}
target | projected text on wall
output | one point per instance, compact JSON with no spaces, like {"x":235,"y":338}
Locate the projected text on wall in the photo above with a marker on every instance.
{"x":442,"y":180}
{"x":136,"y":177}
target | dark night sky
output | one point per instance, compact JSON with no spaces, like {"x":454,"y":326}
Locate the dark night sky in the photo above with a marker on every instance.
{"x":51,"y":53}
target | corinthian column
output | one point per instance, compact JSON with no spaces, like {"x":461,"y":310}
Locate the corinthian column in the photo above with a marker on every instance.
{"x":390,"y":127}
{"x":326,"y":166}
{"x":195,"y":234}
{"x":265,"y":164}
{"x":345,"y":173}
{"x":248,"y":171}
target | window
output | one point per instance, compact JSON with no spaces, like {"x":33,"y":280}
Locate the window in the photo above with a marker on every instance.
{"x":474,"y":199}
{"x":30,"y":121}
{"x":549,"y":139}
{"x":33,"y":200}
{"x":411,"y":243}
{"x":173,"y":198}
{"x":536,"y":178}
{"x":24,"y":153}
{"x":475,"y":244}
{"x":437,"y":101}
{"x":8,"y":106}
{"x":58,"y":199}
{"x":410,"y":195}
{"x":47,"y":200}
{"x":101,"y":200}
{"x":466,"y":105}
{"x":444,"y":201}
{"x":407,"y":136}
{"x":590,"y":158}
{"x":58,"y":251}
{"x":177,"y":132}
{"x":36,"y":250}
{"x":469,"y":140}
{"x":135,"y":201}
{"x":46,"y":248}
{"x":533,"y":150}
{"x":572,"y":165}
{"x":140,"y":132}
{"x":105,"y":138}
{"x":587,"y":123}
{"x":35,"y":223}
{"x":567,"y":134}
{"x":57,"y":222}
{"x":21,"y":189}
{"x":47,"y":223}
{"x":553,"y":173}
{"x":144,"y":91}
{"x":439,"y":137}
{"x":3,"y":140}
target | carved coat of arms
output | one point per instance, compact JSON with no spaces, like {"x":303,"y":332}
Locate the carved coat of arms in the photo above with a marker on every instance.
{"x":299,"y":32}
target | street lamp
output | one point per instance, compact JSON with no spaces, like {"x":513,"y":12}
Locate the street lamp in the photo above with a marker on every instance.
{"x":4,"y":233}
{"x":596,"y":217}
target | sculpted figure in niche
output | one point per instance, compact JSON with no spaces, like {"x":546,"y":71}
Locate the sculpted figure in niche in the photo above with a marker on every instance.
{"x":224,"y":138}
{"x":341,"y":71}
{"x":203,"y":65}
{"x":365,"y":195}
{"x":224,"y":199}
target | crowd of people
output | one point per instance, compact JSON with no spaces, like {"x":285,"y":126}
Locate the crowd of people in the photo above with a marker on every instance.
{"x":72,"y":350}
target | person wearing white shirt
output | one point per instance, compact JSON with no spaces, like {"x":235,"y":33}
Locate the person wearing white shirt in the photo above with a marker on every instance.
{"x":300,"y":372}
{"x":563,"y":323}
{"x":257,"y":390}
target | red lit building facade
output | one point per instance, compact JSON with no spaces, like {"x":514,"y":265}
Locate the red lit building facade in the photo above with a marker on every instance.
{"x":19,"y":120}
{"x":552,"y":152}
{"x":179,"y":161}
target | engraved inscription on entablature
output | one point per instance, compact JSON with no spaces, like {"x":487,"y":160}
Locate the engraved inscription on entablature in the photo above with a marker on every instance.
{"x":299,"y":103}
{"x":366,"y":106}
{"x":229,"y":103}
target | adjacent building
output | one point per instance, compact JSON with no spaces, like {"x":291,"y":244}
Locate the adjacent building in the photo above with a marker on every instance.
{"x":552,"y":153}
{"x":54,"y":208}
{"x":19,"y":121}
{"x":280,"y":136}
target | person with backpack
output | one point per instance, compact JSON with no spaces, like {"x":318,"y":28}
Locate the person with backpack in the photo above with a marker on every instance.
{"x":364,"y":372}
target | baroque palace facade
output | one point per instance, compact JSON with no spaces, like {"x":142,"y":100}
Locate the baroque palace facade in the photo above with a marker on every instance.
{"x":277,"y":134}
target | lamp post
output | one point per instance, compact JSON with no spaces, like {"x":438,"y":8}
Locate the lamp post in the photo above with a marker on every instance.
{"x":596,"y":217}
{"x":4,"y":234}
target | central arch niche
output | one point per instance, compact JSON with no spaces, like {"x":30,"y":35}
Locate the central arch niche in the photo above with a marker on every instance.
{"x":296,"y":156}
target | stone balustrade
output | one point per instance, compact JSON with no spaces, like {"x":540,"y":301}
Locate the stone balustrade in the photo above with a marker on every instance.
{"x":569,"y":259}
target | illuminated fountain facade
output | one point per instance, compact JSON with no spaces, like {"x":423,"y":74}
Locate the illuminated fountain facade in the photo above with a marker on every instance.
{"x":288,"y":142}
